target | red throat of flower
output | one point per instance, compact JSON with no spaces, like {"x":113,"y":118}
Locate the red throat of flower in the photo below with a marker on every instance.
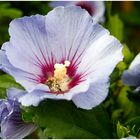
{"x":87,"y":6}
{"x":60,"y":79}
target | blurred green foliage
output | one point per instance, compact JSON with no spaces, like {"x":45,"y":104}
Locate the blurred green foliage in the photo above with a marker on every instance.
{"x":64,"y":120}
{"x":115,"y":26}
{"x":122,"y":131}
{"x":7,"y":13}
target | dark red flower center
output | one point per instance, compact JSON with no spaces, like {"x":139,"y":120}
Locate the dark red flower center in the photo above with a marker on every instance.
{"x":60,"y":77}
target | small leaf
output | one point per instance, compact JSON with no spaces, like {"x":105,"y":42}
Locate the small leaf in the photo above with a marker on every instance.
{"x":41,"y":134}
{"x":128,"y":55}
{"x":7,"y":81}
{"x":121,"y":66}
{"x":122,"y":131}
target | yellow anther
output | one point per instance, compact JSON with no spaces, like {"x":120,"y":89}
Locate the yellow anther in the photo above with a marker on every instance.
{"x":60,"y":71}
{"x":60,"y":80}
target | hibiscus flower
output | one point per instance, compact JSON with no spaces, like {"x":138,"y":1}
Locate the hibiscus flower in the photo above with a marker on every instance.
{"x":63,"y":55}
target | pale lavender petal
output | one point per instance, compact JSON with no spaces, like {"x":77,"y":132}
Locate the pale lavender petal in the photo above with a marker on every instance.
{"x":15,"y":94}
{"x":99,"y":10}
{"x":71,"y":31}
{"x":131,"y":76}
{"x":33,"y":98}
{"x":42,"y":93}
{"x":97,"y":64}
{"x":95,"y":8}
{"x":14,"y":128}
{"x":5,"y":108}
{"x":11,"y":123}
{"x":28,"y":44}
{"x":101,"y":58}
{"x":22,"y":77}
{"x":135,"y":62}
{"x":62,"y":3}
{"x":94,"y":96}
{"x":4,"y":62}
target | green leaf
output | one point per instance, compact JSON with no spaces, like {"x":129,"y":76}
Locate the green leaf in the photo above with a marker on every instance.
{"x":7,"y":81}
{"x":26,"y":114}
{"x":62,"y":119}
{"x":115,"y":26}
